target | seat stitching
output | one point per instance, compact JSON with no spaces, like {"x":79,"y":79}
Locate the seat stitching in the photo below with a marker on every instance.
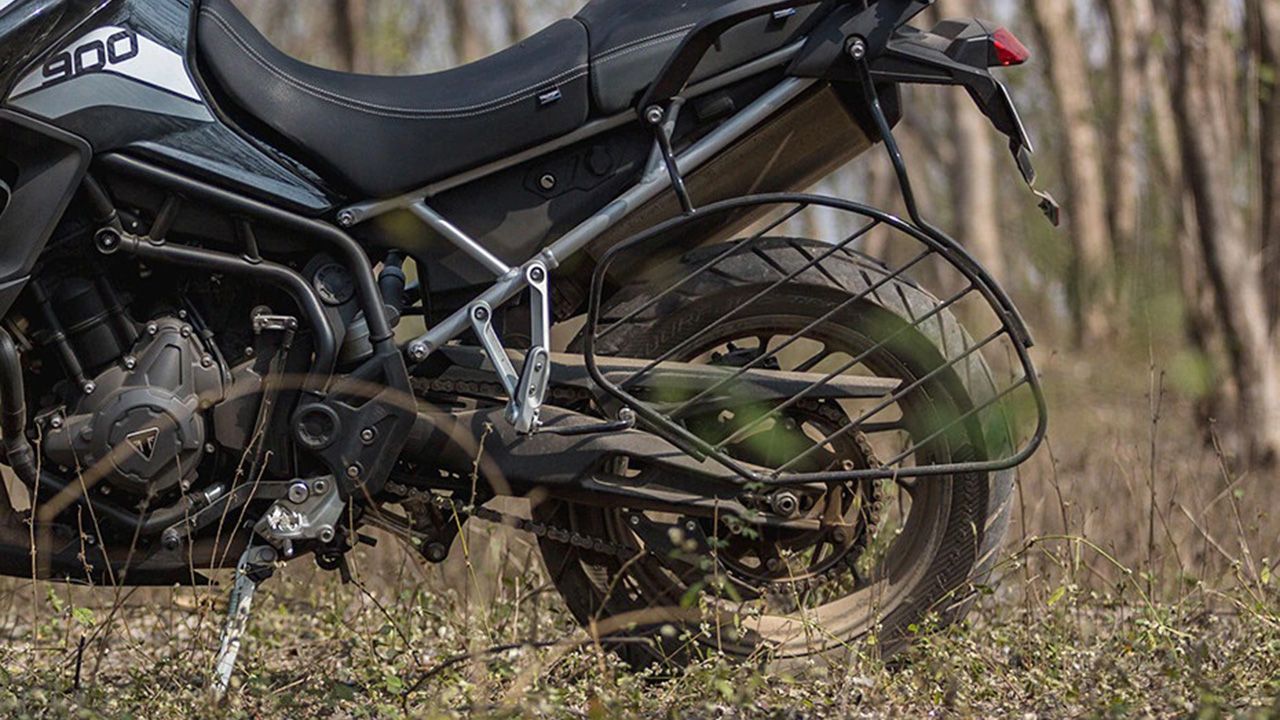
{"x":664,"y":33}
{"x":628,"y":51}
{"x":365,"y":106}
{"x":391,"y":111}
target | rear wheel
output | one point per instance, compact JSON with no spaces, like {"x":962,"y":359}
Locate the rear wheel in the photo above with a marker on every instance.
{"x":887,"y":556}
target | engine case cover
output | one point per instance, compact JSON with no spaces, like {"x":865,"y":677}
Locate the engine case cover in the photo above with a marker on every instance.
{"x":142,"y":431}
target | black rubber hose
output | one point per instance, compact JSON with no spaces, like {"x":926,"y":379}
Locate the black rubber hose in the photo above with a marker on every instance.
{"x":13,"y":417}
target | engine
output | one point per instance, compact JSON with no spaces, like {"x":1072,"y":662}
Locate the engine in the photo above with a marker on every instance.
{"x":138,"y":424}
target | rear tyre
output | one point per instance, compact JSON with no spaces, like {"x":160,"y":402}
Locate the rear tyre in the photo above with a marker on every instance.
{"x":922,"y":547}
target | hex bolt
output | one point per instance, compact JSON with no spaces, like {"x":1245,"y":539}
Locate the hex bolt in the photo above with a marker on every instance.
{"x":90,"y":387}
{"x":153,"y":329}
{"x":206,"y":361}
{"x":186,"y":331}
{"x":785,"y":504}
{"x":108,"y":241}
{"x":368,"y":435}
{"x":326,"y":534}
{"x":320,"y":487}
{"x":419,"y":352}
{"x":481,"y":314}
{"x":691,"y":526}
{"x":654,"y":115}
{"x":858,"y":48}
{"x":171,"y":540}
{"x":130,"y":362}
{"x":346,"y":218}
{"x":547,"y":182}
{"x":210,"y":448}
{"x":635,"y":520}
{"x":56,"y":422}
{"x":353,"y":472}
{"x":537,"y":274}
{"x":298,"y":493}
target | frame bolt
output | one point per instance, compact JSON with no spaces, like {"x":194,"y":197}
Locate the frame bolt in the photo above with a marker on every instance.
{"x":368,"y":435}
{"x":481,"y":314}
{"x":353,"y":472}
{"x":547,"y":182}
{"x":298,"y":493}
{"x":418,"y":352}
{"x":537,"y":274}
{"x":858,"y":48}
{"x":108,"y":241}
{"x":130,"y":362}
{"x":346,"y":218}
{"x":153,"y":329}
{"x":90,"y":387}
{"x":654,"y":115}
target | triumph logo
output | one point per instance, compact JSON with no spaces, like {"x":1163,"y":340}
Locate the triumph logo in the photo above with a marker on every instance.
{"x":144,"y":442}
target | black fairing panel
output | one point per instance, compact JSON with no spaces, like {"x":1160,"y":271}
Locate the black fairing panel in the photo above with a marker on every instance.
{"x":42,"y":166}
{"x":121,"y":109}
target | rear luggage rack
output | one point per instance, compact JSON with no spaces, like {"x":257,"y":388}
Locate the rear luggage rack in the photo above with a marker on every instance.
{"x":886,"y":251}
{"x":993,"y":364}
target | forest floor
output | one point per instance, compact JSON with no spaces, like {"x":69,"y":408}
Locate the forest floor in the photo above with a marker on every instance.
{"x":1139,"y":581}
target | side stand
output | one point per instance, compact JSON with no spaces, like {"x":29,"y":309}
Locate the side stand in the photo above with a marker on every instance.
{"x":256,"y":565}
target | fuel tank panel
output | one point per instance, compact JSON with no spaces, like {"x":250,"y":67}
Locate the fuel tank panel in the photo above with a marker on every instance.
{"x":118,"y":73}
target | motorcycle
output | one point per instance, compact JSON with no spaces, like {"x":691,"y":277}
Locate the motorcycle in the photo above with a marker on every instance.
{"x":254,"y":308}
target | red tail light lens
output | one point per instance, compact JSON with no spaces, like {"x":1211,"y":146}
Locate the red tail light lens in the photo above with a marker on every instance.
{"x":1009,"y":50}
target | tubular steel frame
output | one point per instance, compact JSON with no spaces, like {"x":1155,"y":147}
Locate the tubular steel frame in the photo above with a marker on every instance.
{"x":666,"y":171}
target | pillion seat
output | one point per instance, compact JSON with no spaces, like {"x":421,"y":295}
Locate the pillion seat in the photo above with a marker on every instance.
{"x":380,"y":136}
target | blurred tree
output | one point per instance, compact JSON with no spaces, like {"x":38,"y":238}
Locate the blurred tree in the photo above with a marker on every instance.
{"x":468,"y":44}
{"x":1125,"y":148}
{"x":1264,"y":24}
{"x":1205,"y":93}
{"x":973,"y":174}
{"x":350,"y":36}
{"x":1068,"y":73}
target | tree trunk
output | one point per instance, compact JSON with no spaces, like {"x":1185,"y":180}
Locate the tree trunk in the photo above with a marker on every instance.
{"x":517,"y":20}
{"x":350,"y":24}
{"x":1067,"y":71}
{"x":467,"y":43}
{"x":1204,"y":91}
{"x":974,"y":178}
{"x":1125,"y":146}
{"x":1264,"y":21}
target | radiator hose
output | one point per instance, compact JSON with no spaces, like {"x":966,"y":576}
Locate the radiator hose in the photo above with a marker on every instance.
{"x":13,"y":420}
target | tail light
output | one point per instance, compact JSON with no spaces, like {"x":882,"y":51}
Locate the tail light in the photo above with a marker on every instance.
{"x":1007,"y":49}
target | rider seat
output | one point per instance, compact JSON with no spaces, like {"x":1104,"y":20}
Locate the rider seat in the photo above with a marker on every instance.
{"x":381,"y":136}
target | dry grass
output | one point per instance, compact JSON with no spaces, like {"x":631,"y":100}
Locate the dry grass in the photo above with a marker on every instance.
{"x":1139,"y":581}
